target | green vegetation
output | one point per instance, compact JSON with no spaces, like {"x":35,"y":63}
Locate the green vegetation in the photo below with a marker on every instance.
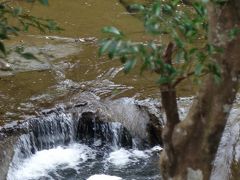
{"x":14,"y":20}
{"x":186,"y":28}
{"x":201,"y":46}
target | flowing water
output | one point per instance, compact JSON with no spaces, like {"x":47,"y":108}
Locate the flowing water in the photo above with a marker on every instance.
{"x":68,"y":62}
{"x":53,"y":149}
{"x":79,"y":161}
{"x":68,"y":65}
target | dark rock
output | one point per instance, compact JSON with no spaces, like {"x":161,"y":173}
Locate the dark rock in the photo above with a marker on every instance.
{"x":91,"y":129}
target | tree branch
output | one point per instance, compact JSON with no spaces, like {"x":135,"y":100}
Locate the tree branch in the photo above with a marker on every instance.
{"x":180,"y":79}
{"x":169,"y":103}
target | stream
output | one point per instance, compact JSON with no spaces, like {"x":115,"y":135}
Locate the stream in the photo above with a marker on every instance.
{"x":50,"y":132}
{"x":55,"y":149}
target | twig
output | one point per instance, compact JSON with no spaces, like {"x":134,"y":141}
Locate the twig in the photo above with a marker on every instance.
{"x":180,"y":79}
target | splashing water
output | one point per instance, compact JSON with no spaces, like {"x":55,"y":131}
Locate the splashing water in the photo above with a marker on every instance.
{"x":78,"y":161}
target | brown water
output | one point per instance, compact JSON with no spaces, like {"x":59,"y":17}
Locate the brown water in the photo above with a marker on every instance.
{"x":71,"y":66}
{"x":68,"y":67}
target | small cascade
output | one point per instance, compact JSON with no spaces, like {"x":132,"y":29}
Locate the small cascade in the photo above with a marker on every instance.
{"x":76,"y":143}
{"x":54,"y":129}
{"x":97,"y":133}
{"x":47,"y":132}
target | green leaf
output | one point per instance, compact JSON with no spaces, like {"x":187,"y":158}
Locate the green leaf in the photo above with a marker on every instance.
{"x":104,"y":45}
{"x":112,"y":30}
{"x":200,"y":9}
{"x":233,"y":33}
{"x":114,"y":48}
{"x":192,"y":51}
{"x":179,"y":56}
{"x":164,"y":80}
{"x":175,"y":2}
{"x":129,"y":65}
{"x":156,"y":9}
{"x":169,"y":69}
{"x":137,"y":7}
{"x":179,"y":42}
{"x":211,"y":49}
{"x":167,"y":8}
{"x":198,"y":69}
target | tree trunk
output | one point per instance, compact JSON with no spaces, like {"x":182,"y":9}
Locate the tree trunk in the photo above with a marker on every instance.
{"x":195,"y":140}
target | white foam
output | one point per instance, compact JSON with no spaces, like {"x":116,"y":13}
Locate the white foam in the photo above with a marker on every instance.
{"x":103,"y":177}
{"x":119,"y":157}
{"x":44,"y":161}
{"x":157,"y":148}
{"x":140,"y":154}
{"x":123,"y":157}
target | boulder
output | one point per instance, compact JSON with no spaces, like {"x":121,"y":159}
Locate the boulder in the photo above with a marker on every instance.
{"x":142,"y":119}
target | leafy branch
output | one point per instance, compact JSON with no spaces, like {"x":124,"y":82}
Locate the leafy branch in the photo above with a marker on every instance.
{"x":14,"y":19}
{"x":187,"y":54}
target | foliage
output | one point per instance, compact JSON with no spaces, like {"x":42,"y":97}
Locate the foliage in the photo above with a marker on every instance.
{"x":186,"y":28}
{"x":14,"y":19}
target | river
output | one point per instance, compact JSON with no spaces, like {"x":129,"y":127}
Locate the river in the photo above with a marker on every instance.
{"x":68,"y":65}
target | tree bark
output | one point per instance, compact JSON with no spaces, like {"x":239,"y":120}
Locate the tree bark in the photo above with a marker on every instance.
{"x":195,"y":140}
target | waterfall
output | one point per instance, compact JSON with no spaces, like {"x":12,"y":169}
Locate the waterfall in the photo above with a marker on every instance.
{"x":45,"y":132}
{"x":76,"y":142}
{"x":94,"y":132}
{"x":58,"y":128}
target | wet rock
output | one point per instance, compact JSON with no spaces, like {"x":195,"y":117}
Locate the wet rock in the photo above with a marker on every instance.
{"x":4,"y":66}
{"x":98,"y":133}
{"x":142,"y":119}
{"x":6,"y":154}
{"x":89,"y":114}
{"x":45,"y":54}
{"x":70,"y":40}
